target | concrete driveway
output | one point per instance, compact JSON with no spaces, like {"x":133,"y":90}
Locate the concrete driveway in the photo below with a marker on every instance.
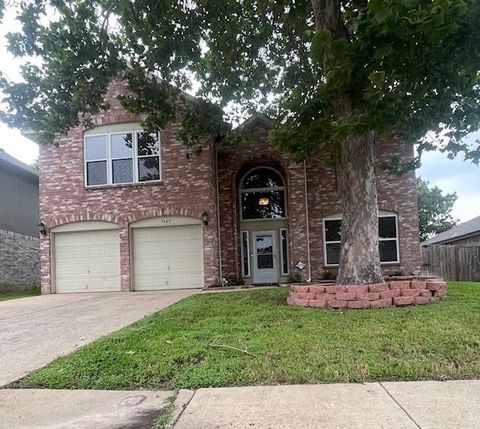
{"x":34,"y":331}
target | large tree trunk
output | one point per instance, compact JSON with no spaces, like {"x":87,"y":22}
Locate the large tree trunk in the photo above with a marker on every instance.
{"x":359,"y":253}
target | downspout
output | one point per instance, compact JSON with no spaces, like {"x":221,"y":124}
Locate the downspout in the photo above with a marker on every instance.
{"x":307,"y":221}
{"x":220,"y":269}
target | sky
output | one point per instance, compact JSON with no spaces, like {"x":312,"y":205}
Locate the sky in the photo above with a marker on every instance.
{"x":449,"y":175}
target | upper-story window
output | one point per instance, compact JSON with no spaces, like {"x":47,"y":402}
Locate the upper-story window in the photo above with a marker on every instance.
{"x":121,"y":158}
{"x":262,"y":195}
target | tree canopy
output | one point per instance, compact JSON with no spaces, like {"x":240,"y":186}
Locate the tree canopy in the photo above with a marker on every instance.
{"x":407,"y":66}
{"x":342,"y":72}
{"x":434,"y":210}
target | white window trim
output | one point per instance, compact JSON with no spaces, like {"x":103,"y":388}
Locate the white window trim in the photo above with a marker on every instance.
{"x":249,"y":190}
{"x":384,"y":214}
{"x":282,"y":272}
{"x":110,"y":159}
{"x":247,"y":256}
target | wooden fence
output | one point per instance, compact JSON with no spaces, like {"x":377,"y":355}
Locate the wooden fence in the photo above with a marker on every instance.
{"x":452,"y":262}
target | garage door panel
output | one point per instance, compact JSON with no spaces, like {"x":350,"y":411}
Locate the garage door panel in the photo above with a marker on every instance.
{"x":191,"y":233}
{"x":193,"y":264}
{"x":67,"y":270}
{"x":102,"y":284}
{"x":149,"y":282}
{"x":178,"y":265}
{"x":144,"y":250}
{"x":174,"y":258}
{"x":77,"y":284}
{"x":177,"y":248}
{"x":66,"y":253}
{"x":87,"y":261}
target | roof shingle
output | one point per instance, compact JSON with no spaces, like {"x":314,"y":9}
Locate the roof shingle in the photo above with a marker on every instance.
{"x":466,"y":228}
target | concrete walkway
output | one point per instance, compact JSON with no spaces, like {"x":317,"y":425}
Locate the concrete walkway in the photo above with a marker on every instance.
{"x":400,"y":405}
{"x":34,"y":331}
{"x":81,"y":409}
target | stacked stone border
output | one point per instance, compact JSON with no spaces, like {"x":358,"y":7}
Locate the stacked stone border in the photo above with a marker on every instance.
{"x":395,"y":293}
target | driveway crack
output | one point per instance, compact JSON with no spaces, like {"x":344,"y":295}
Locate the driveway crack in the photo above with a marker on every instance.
{"x":50,"y":308}
{"x":401,"y":406}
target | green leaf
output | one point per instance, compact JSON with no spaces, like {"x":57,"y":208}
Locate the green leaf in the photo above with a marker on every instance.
{"x":340,"y":47}
{"x":375,"y":5}
{"x":377,"y":77}
{"x":320,"y":44}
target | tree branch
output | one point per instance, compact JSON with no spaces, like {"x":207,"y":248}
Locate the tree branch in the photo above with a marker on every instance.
{"x":327,"y":14}
{"x":226,"y":346}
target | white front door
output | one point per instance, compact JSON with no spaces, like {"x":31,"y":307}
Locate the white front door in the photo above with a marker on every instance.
{"x":265,"y":257}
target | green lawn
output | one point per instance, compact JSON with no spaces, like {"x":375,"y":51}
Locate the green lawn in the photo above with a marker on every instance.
{"x":275,"y":343}
{"x":23,"y":294}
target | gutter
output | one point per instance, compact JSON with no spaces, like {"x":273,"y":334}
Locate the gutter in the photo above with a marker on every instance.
{"x":307,"y":220}
{"x":220,"y":270}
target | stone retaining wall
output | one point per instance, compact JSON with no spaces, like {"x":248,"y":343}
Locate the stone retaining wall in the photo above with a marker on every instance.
{"x":391,"y":294}
{"x":19,"y":261}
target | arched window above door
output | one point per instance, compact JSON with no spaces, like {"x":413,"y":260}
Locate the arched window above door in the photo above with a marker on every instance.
{"x":262,"y":194}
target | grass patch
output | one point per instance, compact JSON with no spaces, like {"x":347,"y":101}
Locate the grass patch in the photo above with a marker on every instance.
{"x":172,"y":349}
{"x":5,"y":296}
{"x":167,"y":414}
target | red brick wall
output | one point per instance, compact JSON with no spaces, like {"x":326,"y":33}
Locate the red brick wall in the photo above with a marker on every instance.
{"x":395,"y":193}
{"x":187,"y":189}
{"x":232,"y":164}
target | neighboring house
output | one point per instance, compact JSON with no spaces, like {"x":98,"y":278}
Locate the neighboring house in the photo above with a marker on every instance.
{"x":129,"y":211}
{"x":19,"y":242}
{"x":465,"y":234}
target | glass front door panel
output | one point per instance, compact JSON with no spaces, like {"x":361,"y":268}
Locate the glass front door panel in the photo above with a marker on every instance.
{"x":264,"y":252}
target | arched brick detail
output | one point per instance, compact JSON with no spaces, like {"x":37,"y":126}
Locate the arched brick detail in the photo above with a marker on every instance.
{"x":160,"y":212}
{"x":262,"y":161}
{"x":331,"y":211}
{"x":388,"y":207}
{"x":82,"y":217}
{"x":116,"y":118}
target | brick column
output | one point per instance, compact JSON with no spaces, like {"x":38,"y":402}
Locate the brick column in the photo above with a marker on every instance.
{"x":45,"y":264}
{"x":125,"y":278}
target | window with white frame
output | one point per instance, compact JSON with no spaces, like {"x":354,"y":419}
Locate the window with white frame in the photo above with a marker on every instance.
{"x":245,"y":254}
{"x":262,"y":195}
{"x":284,"y":250}
{"x":387,"y":238}
{"x":122,"y":157}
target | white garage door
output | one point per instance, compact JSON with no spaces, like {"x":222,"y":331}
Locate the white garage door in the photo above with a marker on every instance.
{"x":87,"y":261}
{"x":168,"y":257}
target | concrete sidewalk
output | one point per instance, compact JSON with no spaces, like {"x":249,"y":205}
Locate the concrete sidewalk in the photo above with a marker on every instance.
{"x":402,"y":405}
{"x":399,"y":405}
{"x":81,"y":409}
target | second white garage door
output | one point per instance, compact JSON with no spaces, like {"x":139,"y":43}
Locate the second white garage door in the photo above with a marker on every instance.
{"x":168,"y":257}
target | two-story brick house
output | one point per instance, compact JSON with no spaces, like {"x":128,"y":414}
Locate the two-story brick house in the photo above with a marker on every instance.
{"x":129,"y":211}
